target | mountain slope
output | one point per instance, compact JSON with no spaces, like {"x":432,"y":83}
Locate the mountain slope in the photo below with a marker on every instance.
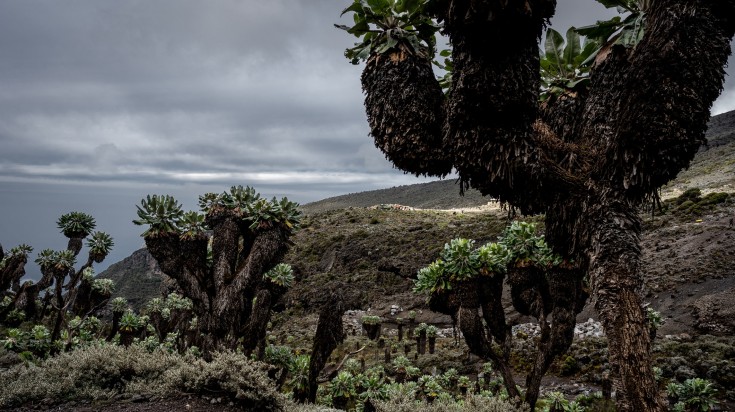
{"x":443,"y":194}
{"x":377,"y":251}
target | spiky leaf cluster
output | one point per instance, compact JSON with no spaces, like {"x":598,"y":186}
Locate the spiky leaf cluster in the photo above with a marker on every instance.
{"x":460,"y":260}
{"x":524,"y":244}
{"x":100,"y":245}
{"x":627,"y":30}
{"x":58,"y":260}
{"x":386,"y":25}
{"x":130,"y":321}
{"x":172,"y":302}
{"x":342,"y":385}
{"x":192,"y":225}
{"x":565,"y":67}
{"x":432,"y":278}
{"x":370,"y":320}
{"x":88,"y":275}
{"x":21,"y":249}
{"x":161,"y":212}
{"x":255,"y":211}
{"x":493,"y":257}
{"x":281,"y":275}
{"x":76,"y":224}
{"x":103,"y":286}
{"x":695,"y":394}
{"x":238,"y":197}
{"x":299,"y":371}
{"x":119,"y":305}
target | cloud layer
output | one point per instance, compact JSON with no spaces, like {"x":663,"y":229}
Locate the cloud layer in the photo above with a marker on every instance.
{"x":102,"y":102}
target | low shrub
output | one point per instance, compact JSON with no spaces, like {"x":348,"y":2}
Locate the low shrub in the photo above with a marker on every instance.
{"x":103,"y":372}
{"x":472,"y":403}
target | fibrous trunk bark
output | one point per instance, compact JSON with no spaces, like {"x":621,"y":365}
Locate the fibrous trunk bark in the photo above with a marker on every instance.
{"x":329,"y":334}
{"x":614,"y":273}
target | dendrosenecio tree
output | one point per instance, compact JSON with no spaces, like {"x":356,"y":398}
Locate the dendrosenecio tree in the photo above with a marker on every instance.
{"x":586,"y":156}
{"x":466,"y":283}
{"x":70,"y":292}
{"x":226,"y":260}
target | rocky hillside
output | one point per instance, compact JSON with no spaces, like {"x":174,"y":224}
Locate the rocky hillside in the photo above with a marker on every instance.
{"x":689,"y":250}
{"x":442,"y":194}
{"x":137,"y":277}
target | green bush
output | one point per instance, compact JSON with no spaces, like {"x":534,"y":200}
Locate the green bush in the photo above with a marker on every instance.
{"x":405,"y":402}
{"x":103,"y":372}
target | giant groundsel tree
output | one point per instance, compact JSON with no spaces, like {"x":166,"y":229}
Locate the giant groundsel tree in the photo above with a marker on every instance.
{"x":226,"y":260}
{"x":74,"y":290}
{"x":586,"y":159}
{"x":467,"y":278}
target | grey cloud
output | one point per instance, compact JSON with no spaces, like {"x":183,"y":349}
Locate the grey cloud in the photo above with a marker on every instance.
{"x":103,"y":101}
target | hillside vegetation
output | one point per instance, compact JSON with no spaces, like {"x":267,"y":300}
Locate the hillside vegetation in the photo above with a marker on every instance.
{"x":366,"y":246}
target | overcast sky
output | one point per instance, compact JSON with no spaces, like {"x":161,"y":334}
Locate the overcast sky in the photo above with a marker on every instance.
{"x":105,"y":101}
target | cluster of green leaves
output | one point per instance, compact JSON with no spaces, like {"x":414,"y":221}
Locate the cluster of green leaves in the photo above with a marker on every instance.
{"x":420,"y":328}
{"x":370,"y":320}
{"x":384,"y":25}
{"x":281,"y":356}
{"x":76,"y":224}
{"x":61,"y":260}
{"x":130,"y":321}
{"x":354,"y":385}
{"x":654,"y":318}
{"x":694,"y":394}
{"x":82,"y":332}
{"x":254,"y":209}
{"x":524,"y":244}
{"x":401,"y":364}
{"x":565,"y":67}
{"x":119,"y":305}
{"x":103,"y":286}
{"x":431,"y":331}
{"x":100,"y":244}
{"x":17,"y":251}
{"x":298,"y":369}
{"x":238,"y":198}
{"x":284,"y":212}
{"x":163,"y":214}
{"x":21,"y":249}
{"x":281,"y":275}
{"x":172,"y":302}
{"x":627,"y":30}
{"x":460,"y":260}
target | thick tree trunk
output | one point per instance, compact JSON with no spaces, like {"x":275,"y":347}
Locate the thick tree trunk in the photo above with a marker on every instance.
{"x":256,"y":328}
{"x":616,"y":282}
{"x":329,"y":334}
{"x":470,"y":323}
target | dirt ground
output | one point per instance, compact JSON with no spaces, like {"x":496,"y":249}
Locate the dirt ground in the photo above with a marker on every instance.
{"x":186,"y":404}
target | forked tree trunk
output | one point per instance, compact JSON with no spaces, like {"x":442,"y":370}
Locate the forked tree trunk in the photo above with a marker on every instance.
{"x":222,"y":294}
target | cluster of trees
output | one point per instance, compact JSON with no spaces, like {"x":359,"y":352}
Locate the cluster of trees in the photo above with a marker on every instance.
{"x":466,"y":283}
{"x":69,"y":292}
{"x":587,"y":155}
